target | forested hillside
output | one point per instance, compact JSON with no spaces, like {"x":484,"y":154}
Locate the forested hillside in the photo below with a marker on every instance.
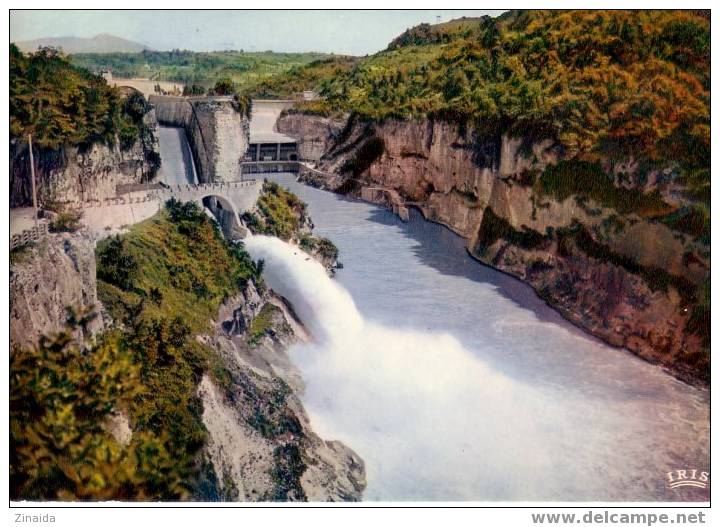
{"x":598,"y":81}
{"x":190,"y":67}
{"x":59,"y":103}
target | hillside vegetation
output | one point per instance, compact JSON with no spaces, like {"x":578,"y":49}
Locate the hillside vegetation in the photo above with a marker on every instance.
{"x":59,"y":103}
{"x":162,"y":283}
{"x":624,"y":82}
{"x":201,"y":68}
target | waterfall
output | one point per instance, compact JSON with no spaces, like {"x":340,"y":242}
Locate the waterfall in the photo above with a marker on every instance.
{"x":431,"y":420}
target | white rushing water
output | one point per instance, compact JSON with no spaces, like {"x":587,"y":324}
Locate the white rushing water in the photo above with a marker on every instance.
{"x":485,"y":400}
{"x":178,"y":165}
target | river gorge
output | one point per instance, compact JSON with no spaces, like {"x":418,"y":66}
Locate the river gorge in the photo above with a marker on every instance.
{"x":454,"y":381}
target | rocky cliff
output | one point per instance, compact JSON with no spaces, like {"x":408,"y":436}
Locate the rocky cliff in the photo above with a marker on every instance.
{"x":261,"y":444}
{"x":46,"y":279}
{"x":313,"y":134}
{"x":72,"y":173}
{"x":218,"y":132}
{"x":607,"y":262}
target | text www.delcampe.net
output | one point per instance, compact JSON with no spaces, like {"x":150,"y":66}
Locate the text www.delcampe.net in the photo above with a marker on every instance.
{"x":620,"y":518}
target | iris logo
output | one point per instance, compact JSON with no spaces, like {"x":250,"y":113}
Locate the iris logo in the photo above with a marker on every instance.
{"x":688,"y":478}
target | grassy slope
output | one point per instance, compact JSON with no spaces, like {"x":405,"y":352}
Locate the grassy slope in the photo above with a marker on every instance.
{"x":598,"y":82}
{"x":605,"y":85}
{"x":180,"y":271}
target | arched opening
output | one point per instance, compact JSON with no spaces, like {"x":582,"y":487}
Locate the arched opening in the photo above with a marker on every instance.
{"x":226,"y":215}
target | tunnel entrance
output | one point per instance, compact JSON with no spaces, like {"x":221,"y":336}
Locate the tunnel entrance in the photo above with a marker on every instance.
{"x":226,"y":216}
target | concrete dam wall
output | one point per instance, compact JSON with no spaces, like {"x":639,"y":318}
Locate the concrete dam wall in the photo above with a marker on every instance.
{"x":218,"y":133}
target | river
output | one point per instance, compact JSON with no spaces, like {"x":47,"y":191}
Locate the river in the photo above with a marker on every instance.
{"x":454,"y":381}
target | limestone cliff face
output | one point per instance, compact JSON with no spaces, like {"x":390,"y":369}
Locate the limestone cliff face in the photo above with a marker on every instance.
{"x":261,"y":443}
{"x":72,"y":174}
{"x":313,"y":135}
{"x":45,"y":279}
{"x":218,"y":133}
{"x":623,"y":277}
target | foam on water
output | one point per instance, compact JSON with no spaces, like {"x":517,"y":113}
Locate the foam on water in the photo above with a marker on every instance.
{"x":433,"y":420}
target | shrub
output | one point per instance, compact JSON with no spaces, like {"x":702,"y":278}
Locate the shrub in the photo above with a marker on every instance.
{"x":588,"y":179}
{"x":493,"y":228}
{"x":66,"y":221}
{"x":61,"y":394}
{"x":116,"y":264}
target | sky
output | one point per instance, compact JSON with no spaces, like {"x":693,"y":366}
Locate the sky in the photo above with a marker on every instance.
{"x":345,"y":32}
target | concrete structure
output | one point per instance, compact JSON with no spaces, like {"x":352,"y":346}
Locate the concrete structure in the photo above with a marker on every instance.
{"x":217,"y":132}
{"x":266,"y":143}
{"x":225,"y":200}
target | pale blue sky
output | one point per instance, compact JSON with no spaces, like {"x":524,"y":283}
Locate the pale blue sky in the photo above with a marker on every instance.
{"x":350,"y":32}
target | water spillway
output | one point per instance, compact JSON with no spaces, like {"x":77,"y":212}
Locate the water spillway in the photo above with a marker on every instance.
{"x":178,"y":165}
{"x":455,"y":382}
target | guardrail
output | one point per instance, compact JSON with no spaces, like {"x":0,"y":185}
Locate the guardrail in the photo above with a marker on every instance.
{"x":258,"y":167}
{"x":33,"y":234}
{"x":137,"y":187}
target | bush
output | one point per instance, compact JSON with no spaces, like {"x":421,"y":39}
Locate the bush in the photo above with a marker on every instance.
{"x":66,"y":221}
{"x":224,"y":86}
{"x":588,"y":179}
{"x":61,"y":395}
{"x":116,"y":264}
{"x":493,"y":228}
{"x":280,"y":213}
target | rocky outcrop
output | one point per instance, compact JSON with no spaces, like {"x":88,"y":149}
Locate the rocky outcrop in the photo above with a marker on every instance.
{"x":313,"y":135}
{"x":625,"y":277}
{"x":46,"y":279}
{"x":73,"y":174}
{"x":261,"y":445}
{"x":218,"y":132}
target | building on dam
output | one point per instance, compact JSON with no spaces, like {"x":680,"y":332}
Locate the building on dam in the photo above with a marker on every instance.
{"x":270,"y":152}
{"x":271,"y":146}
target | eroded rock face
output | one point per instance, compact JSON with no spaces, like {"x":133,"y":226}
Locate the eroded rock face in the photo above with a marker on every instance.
{"x":455,"y":177}
{"x":71,"y":174}
{"x":261,"y":445}
{"x":313,"y":135}
{"x":47,"y":278}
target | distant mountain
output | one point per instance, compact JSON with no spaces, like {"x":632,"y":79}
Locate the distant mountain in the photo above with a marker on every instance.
{"x":103,"y":43}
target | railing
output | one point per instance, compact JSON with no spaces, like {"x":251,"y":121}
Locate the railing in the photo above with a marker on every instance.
{"x":137,"y":187}
{"x":28,"y":235}
{"x":257,"y":167}
{"x":201,"y":187}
